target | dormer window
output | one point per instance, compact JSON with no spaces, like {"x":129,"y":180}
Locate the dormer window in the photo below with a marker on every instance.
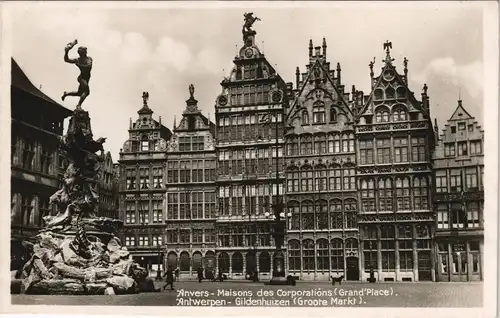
{"x":145,"y":143}
{"x":461,"y":126}
{"x":453,"y":129}
{"x":318,"y":113}
{"x":399,"y":114}
{"x":333,"y":115}
{"x":390,"y":93}
{"x":382,"y":115}
{"x":379,"y":94}
{"x":305,"y":118}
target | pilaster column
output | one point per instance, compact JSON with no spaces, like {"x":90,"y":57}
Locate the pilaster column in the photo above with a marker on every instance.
{"x":450,"y":261}
{"x":433,"y":260}
{"x":468,"y":258}
{"x":245,"y":263}
{"x":379,"y":253}
{"x":415,"y":254}
{"x":230,"y":264}
{"x":396,"y":253}
{"x":481,"y":253}
{"x":361,"y":259}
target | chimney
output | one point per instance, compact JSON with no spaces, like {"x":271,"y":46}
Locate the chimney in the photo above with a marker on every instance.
{"x":297,"y":77}
{"x":324,"y":48}
{"x":310,"y":48}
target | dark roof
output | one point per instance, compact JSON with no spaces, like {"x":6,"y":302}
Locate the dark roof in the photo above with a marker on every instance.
{"x":20,"y":81}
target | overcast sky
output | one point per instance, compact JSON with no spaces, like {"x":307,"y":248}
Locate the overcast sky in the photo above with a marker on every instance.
{"x":163,"y":50}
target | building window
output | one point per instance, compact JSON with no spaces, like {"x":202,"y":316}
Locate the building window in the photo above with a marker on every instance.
{"x":401,"y":149}
{"x":379,"y":94}
{"x":349,"y":179}
{"x":336,"y":214}
{"x":461,"y":126}
{"x":306,"y":145}
{"x":28,"y":153}
{"x":458,"y":218}
{"x":320,"y":144}
{"x":184,"y":236}
{"x":197,"y":235}
{"x":441,"y":182}
{"x":157,"y":240}
{"x":292,"y":146}
{"x":144,"y":178}
{"x":305,"y":118}
{"x":387,"y":243}
{"x":293,"y":181}
{"x":335,"y":176}
{"x":145,"y":143}
{"x":209,"y":205}
{"x":209,"y":166}
{"x":308,"y":253}
{"x":198,"y":142}
{"x":368,"y":195}
{"x":129,"y":212}
{"x":442,"y":216}
{"x":197,"y":172}
{"x":455,"y":180}
{"x":157,"y":178}
{"x":157,"y":211}
{"x":307,"y":215}
{"x":143,"y":240}
{"x":403,"y":194}
{"x":306,"y":179}
{"x":347,"y":142}
{"x":420,"y":193}
{"x":366,"y":152}
{"x":322,"y":255}
{"x":320,"y":179}
{"x":382,"y":115}
{"x":333,"y":115}
{"x":13,"y":149}
{"x":405,"y":243}
{"x":385,"y":195}
{"x":449,"y":149}
{"x":333,"y":143}
{"x":173,"y":171}
{"x":476,"y":147}
{"x":370,"y":247}
{"x":399,"y":115}
{"x":462,"y":148}
{"x":173,"y":236}
{"x":294,"y":259}
{"x":129,"y":241}
{"x":319,"y":113}
{"x":337,"y":253}
{"x":173,"y":206}
{"x":197,"y":205}
{"x":472,"y":214}
{"x":453,"y":129}
{"x":350,"y":208}
{"x":185,"y":206}
{"x":418,"y":149}
{"x":185,"y":172}
{"x":471,"y":179}
{"x":321,"y":215}
{"x":46,"y":160}
{"x":144,"y":212}
{"x":209,"y":236}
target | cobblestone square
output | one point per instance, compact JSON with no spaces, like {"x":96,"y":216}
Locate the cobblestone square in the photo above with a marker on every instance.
{"x":397,"y":295}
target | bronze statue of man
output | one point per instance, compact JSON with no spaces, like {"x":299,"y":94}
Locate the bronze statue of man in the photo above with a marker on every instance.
{"x":84,"y":63}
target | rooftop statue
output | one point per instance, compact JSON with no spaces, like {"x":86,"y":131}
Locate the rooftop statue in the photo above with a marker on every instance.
{"x":249,"y":21}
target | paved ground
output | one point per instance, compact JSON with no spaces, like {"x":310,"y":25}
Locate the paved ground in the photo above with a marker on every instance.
{"x":304,"y":294}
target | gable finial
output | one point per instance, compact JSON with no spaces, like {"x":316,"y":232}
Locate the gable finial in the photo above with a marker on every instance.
{"x":388,"y":47}
{"x":424,"y":89}
{"x":145,"y":98}
{"x":191,"y":91}
{"x":459,"y":94}
{"x":310,"y":47}
{"x":405,"y":64}
{"x":371,"y":66}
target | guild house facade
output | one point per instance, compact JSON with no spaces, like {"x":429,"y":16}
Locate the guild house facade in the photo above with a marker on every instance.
{"x":142,"y":188}
{"x":249,"y":117}
{"x":190,"y":192}
{"x":459,"y":199}
{"x":366,"y":190}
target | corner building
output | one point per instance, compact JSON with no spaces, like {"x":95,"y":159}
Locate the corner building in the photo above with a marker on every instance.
{"x":321,"y":174}
{"x":191,"y":173}
{"x":459,"y":199}
{"x":142,"y":188}
{"x":394,"y":143}
{"x":249,"y":118}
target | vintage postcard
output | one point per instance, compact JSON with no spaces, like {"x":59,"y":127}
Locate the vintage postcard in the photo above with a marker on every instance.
{"x":290,"y":158}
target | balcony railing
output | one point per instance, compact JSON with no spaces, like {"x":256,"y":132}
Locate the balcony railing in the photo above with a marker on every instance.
{"x":391,"y":126}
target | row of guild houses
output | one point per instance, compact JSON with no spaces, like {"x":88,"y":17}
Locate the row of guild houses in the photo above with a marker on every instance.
{"x":37,"y":123}
{"x":369,"y":183}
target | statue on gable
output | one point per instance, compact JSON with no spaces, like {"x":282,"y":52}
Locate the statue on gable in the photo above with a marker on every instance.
{"x":249,"y":21}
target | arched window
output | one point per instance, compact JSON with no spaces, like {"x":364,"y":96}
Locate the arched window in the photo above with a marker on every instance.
{"x":420,"y":193}
{"x":321,"y":214}
{"x":336,"y":214}
{"x":333,"y":114}
{"x":237,"y":263}
{"x":319,"y":113}
{"x":306,"y":145}
{"x":197,"y":259}
{"x":390,"y":93}
{"x":385,"y":195}
{"x":350,"y":215}
{"x":379,"y":94}
{"x":265,"y":261}
{"x":307,"y":215}
{"x":382,"y":115}
{"x":293,"y":146}
{"x":305,"y":118}
{"x":337,"y":255}
{"x":306,"y":179}
{"x":308,"y":252}
{"x":403,"y":194}
{"x":294,"y":259}
{"x":322,"y":256}
{"x":368,"y":195}
{"x":145,"y":143}
{"x":399,"y":114}
{"x":294,"y":209}
{"x":401,"y":92}
{"x":320,"y":144}
{"x":224,"y":262}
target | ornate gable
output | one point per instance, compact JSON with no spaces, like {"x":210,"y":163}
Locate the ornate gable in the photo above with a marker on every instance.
{"x":390,"y":93}
{"x":319,"y":98}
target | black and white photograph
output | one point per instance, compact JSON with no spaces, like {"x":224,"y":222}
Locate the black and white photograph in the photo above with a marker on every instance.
{"x":289,"y":158}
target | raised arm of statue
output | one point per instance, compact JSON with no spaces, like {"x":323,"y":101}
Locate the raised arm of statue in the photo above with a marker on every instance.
{"x":68,"y":47}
